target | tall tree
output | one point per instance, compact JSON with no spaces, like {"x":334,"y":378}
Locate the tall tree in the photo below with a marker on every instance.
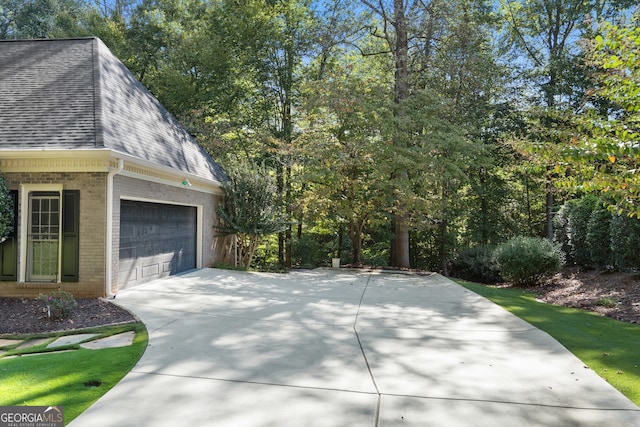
{"x":249,"y":210}
{"x":342,"y":147}
{"x":545,"y":33}
{"x":607,"y":149}
{"x":395,"y":30}
{"x":25,"y":19}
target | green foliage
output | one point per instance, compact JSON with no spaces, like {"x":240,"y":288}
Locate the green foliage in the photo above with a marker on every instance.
{"x":607,"y":145}
{"x":625,"y":241}
{"x":345,"y":172}
{"x":527,"y":260}
{"x":477,"y":264}
{"x":606,"y":302}
{"x":592,"y":236}
{"x":599,"y":238}
{"x":376,"y":253}
{"x":6,"y":210}
{"x":60,"y":304}
{"x":250,"y":210}
{"x":309,"y":251}
{"x":580,"y":211}
{"x":26,"y":19}
{"x":562,"y":232}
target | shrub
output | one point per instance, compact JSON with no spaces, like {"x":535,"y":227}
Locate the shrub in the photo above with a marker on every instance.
{"x":527,"y":260}
{"x":59,"y":303}
{"x":308,"y":252}
{"x":477,"y":264}
{"x":562,"y":231}
{"x":579,"y":216}
{"x":376,"y":254}
{"x":625,"y":241}
{"x":599,"y":237}
{"x":6,"y":210}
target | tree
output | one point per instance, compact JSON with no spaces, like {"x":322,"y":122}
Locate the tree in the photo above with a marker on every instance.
{"x":544,"y":34}
{"x":395,"y":31}
{"x":249,"y":210}
{"x":285,"y":50}
{"x":609,"y":142}
{"x":24,"y":19}
{"x":342,"y":148}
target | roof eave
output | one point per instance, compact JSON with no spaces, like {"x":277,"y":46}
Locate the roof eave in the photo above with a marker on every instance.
{"x":144,"y":169}
{"x":56,"y":160}
{"x":101,"y":160}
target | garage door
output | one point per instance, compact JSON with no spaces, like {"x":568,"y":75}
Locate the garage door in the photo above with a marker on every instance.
{"x":156,"y":240}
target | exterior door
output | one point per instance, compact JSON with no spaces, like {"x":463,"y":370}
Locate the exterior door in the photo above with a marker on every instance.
{"x":43,"y":239}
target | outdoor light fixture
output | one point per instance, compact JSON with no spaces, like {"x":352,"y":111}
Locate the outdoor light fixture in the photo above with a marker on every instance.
{"x":186,"y":183}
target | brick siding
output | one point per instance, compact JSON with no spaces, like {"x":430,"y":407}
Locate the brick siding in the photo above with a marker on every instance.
{"x":92,"y":231}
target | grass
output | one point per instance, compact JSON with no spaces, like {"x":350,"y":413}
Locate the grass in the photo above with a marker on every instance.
{"x":74,"y":379}
{"x":609,"y":347}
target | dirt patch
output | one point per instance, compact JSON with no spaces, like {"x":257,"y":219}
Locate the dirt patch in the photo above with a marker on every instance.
{"x":615,"y":295}
{"x":24,"y":315}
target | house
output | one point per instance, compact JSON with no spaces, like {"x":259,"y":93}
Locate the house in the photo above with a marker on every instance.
{"x":110,"y":190}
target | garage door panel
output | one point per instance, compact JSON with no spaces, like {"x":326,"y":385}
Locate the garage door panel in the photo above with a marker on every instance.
{"x":156,"y":240}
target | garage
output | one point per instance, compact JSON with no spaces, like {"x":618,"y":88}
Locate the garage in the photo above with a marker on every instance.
{"x":156,"y":240}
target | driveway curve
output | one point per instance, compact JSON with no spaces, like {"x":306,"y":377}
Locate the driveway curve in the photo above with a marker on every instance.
{"x":345,"y":348}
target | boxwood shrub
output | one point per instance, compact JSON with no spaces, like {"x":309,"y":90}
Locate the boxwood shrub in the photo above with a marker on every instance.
{"x":477,"y":264}
{"x":527,"y":260}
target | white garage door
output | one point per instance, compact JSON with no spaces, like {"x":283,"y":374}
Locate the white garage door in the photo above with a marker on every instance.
{"x":156,"y":240}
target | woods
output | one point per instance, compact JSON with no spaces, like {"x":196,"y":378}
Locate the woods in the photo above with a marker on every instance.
{"x":394,"y":132}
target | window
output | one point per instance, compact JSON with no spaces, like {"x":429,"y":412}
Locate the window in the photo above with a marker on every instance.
{"x":47,"y":232}
{"x":43,"y":237}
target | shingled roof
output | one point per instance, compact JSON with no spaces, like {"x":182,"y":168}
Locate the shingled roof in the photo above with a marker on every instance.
{"x":74,"y":94}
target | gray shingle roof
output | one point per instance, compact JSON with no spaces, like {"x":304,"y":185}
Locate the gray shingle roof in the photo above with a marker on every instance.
{"x":75,"y":94}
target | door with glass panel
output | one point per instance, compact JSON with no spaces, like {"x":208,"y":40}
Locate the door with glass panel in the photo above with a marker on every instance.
{"x":43,"y":240}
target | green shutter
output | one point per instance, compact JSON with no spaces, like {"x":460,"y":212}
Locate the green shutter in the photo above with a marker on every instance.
{"x":70,"y":235}
{"x":9,"y":248}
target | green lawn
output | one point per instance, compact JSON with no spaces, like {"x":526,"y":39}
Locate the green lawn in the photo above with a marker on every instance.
{"x":73,"y":379}
{"x":609,"y":347}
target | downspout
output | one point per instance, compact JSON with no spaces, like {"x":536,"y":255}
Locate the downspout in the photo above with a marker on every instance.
{"x":109,"y":246}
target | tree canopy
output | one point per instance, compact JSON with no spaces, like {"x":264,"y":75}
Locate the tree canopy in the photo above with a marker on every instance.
{"x":402,"y":131}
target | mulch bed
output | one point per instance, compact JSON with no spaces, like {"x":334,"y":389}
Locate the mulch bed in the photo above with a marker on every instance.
{"x":611,"y":294}
{"x":26,"y":316}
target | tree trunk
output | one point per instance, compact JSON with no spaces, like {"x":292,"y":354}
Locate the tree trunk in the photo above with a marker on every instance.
{"x":355,"y":233}
{"x":550,"y":200}
{"x":289,"y":217}
{"x":401,"y":242}
{"x":484,"y":208}
{"x":401,"y":52}
{"x":444,"y":224}
{"x":281,"y":236}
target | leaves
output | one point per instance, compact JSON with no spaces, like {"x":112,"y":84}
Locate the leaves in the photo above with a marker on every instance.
{"x":609,"y":146}
{"x":6,"y":210}
{"x":250,"y":209}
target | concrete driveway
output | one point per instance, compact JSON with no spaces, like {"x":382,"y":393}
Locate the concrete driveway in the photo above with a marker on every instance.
{"x":344,"y":348}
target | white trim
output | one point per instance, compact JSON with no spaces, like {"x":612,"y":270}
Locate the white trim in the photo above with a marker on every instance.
{"x":25,"y":189}
{"x":199,"y":220}
{"x":102,"y":160}
{"x":148,"y":171}
{"x":108,"y":278}
{"x":160,"y":201}
{"x":54,"y":160}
